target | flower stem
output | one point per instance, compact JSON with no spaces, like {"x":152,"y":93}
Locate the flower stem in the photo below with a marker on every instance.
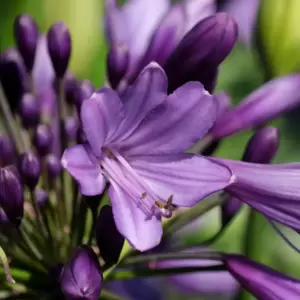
{"x":9,"y":122}
{"x":192,"y":214}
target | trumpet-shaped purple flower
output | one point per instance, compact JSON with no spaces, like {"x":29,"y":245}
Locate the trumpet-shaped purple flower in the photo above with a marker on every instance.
{"x":264,"y":104}
{"x":137,"y":143}
{"x":274,"y":190}
{"x":262,"y":281}
{"x":153,"y":30}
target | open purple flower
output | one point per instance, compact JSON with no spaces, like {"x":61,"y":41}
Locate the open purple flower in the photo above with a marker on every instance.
{"x":262,"y":281}
{"x":137,"y":143}
{"x":274,"y":190}
{"x":153,"y":30}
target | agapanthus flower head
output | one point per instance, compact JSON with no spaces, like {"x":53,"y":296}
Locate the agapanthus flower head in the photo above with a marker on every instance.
{"x":143,"y":31}
{"x":11,"y":194}
{"x":109,"y":240}
{"x":81,"y":276}
{"x":134,"y":143}
{"x":262,"y":281}
{"x":26,"y":36}
{"x":59,"y":47}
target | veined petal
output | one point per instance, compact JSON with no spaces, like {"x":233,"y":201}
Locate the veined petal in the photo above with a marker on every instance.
{"x":101,"y":115}
{"x":183,"y":118}
{"x":43,"y":73}
{"x":274,"y":190}
{"x":81,"y":164}
{"x":148,"y":91}
{"x":262,"y":281}
{"x":142,"y":232}
{"x":275,"y":97}
{"x":186,"y":177}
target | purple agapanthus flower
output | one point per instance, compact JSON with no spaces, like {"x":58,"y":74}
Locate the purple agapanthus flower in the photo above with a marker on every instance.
{"x":137,"y":144}
{"x":274,"y":190}
{"x":156,"y":30}
{"x":262,"y":281}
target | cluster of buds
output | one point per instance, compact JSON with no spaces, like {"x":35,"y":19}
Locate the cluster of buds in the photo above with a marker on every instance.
{"x":44,"y":221}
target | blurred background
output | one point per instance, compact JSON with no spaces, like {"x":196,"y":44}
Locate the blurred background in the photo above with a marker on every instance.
{"x":277,"y":45}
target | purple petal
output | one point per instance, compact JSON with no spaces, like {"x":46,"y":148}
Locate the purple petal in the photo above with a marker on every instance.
{"x":140,"y":231}
{"x":202,"y":49}
{"x":197,"y":10}
{"x":262,"y":281}
{"x":274,"y":190}
{"x":81,"y":164}
{"x":203,"y":283}
{"x":245,"y":14}
{"x":101,"y":115}
{"x":187,"y":177}
{"x":183,"y":118}
{"x":149,"y":91}
{"x":137,"y":20}
{"x":223,"y":102}
{"x":43,"y":73}
{"x":268,"y":102}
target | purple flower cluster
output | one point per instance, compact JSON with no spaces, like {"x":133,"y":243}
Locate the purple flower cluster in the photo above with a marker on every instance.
{"x":140,"y":143}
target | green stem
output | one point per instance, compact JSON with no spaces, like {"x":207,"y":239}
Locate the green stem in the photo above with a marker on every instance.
{"x":10,"y":123}
{"x":4,"y":260}
{"x":124,"y":275}
{"x":192,"y":214}
{"x":107,"y":295}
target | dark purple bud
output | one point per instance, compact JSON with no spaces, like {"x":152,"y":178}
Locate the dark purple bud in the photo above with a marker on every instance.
{"x":29,"y":110}
{"x":71,"y":128}
{"x":59,"y":47}
{"x":26,"y":36}
{"x":41,"y":197}
{"x":7,"y":151}
{"x":263,"y":145}
{"x":13,"y":77}
{"x":117,"y":64}
{"x":260,"y":280}
{"x":43,"y":139}
{"x":81,"y":277}
{"x":53,"y":165}
{"x":202,"y":49}
{"x":71,"y":88}
{"x":229,"y":209}
{"x":11,"y":194}
{"x":30,"y":169}
{"x":109,"y":240}
{"x":85,"y":90}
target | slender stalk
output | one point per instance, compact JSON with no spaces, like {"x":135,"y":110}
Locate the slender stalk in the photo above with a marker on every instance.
{"x":9,"y":122}
{"x":5,"y":263}
{"x":192,"y":214}
{"x":107,"y":295}
{"x":145,"y":272}
{"x":146,"y":258}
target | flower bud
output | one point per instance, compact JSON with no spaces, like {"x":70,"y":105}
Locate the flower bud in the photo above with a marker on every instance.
{"x":30,"y":169}
{"x":7,"y":151}
{"x":41,"y":197}
{"x":109,"y":240}
{"x":263,"y":146}
{"x":53,"y":165}
{"x":71,"y":88}
{"x":11,"y":194}
{"x":42,"y":139}
{"x":29,"y":110}
{"x":13,"y":77}
{"x":212,"y":39}
{"x":59,"y":46}
{"x":117,"y":64}
{"x":71,"y":128}
{"x":229,"y":209}
{"x":85,"y":90}
{"x":81,"y":276}
{"x":26,"y":36}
